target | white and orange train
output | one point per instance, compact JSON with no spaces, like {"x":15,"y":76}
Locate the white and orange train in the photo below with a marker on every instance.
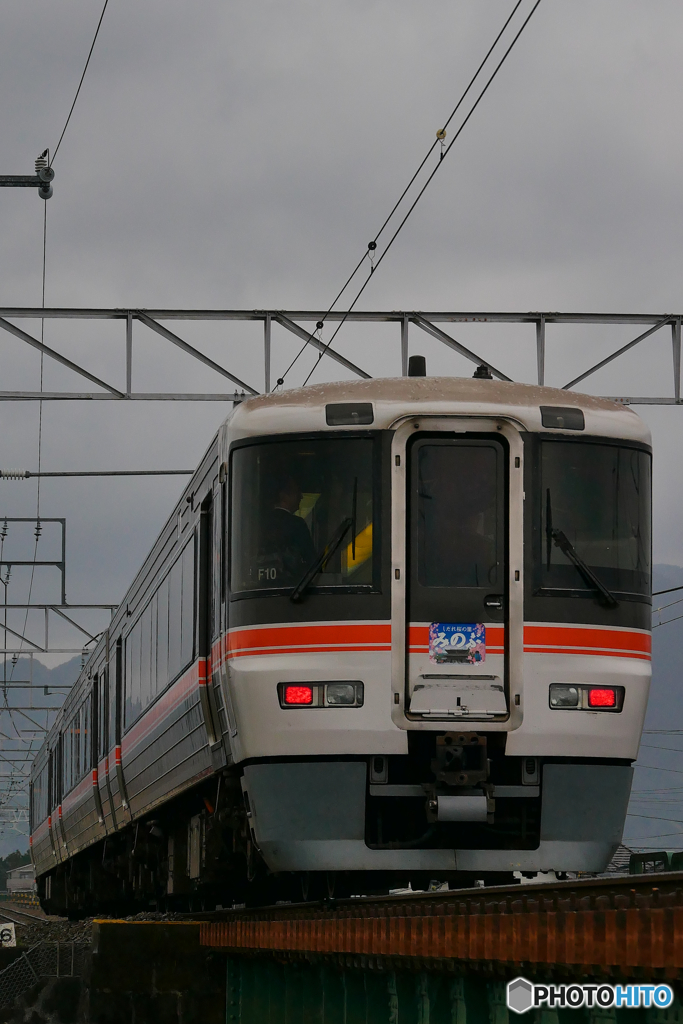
{"x":394,"y":631}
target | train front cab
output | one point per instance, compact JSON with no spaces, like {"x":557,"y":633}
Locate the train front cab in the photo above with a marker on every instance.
{"x":460,"y":690}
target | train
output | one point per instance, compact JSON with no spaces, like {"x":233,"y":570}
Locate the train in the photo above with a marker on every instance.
{"x":395,"y":632}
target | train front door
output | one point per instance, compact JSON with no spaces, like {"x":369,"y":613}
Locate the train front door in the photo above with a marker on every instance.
{"x":457,"y":577}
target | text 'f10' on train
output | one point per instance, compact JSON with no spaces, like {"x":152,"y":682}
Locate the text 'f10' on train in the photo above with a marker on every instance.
{"x":394,"y":631}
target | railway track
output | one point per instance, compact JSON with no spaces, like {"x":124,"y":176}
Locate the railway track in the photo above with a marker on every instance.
{"x":20,"y":916}
{"x":606,"y":925}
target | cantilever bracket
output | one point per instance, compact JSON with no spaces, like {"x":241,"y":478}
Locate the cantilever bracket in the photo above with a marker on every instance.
{"x":41,"y":180}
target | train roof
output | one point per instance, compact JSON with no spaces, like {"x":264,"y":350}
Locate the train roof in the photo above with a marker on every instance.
{"x":303,"y":409}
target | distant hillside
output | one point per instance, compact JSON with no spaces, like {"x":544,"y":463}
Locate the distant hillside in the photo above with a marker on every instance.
{"x":665,"y":710}
{"x":56,"y":680}
{"x":62,"y":675}
{"x":656,"y":809}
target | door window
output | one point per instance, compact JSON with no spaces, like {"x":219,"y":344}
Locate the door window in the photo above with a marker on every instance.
{"x":457,"y":516}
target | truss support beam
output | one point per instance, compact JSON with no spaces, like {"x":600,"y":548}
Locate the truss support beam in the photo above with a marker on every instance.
{"x":53,"y":607}
{"x":73,"y":623}
{"x":405,"y":323}
{"x":22,"y":652}
{"x":4,"y":628}
{"x":27,"y":474}
{"x":324,"y":349}
{"x":440,"y":335}
{"x":619,"y":352}
{"x":540,"y":350}
{"x":175,"y":340}
{"x":129,"y":353}
{"x":150,"y":396}
{"x":34,"y":343}
{"x":355,"y":316}
{"x":292,"y":321}
{"x":266,"y":352}
{"x":676,"y":347}
{"x":59,"y":609}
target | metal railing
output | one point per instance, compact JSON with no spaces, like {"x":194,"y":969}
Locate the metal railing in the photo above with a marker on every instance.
{"x":23,"y":899}
{"x":42,"y":961}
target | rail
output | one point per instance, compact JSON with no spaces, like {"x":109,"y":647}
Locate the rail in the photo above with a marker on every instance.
{"x":606,"y":927}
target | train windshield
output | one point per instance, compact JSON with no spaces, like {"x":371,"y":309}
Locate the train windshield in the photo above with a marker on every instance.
{"x":303,"y":515}
{"x":595,"y":516}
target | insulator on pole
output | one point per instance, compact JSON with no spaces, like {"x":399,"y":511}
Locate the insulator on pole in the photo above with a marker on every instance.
{"x":14,"y":474}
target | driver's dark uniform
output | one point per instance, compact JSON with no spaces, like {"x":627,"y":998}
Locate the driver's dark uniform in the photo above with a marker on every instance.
{"x":287,"y":545}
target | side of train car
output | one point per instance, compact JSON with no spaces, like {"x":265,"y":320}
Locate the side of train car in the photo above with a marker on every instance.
{"x":394,"y":630}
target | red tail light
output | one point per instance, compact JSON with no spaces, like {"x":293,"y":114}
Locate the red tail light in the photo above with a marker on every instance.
{"x":298,"y":695}
{"x":602,"y":698}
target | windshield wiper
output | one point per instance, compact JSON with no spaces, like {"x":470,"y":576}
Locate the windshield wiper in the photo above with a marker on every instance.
{"x":566,"y":547}
{"x":561,"y":541}
{"x":320,"y":560}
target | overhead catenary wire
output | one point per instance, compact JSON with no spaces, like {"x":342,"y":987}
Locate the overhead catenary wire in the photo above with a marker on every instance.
{"x":658,"y":593}
{"x":373,"y":244}
{"x":667,"y":621}
{"x":669,"y":605}
{"x":80,"y":84}
{"x":660,"y":835}
{"x":659,"y":796}
{"x":655,"y":817}
{"x":427,"y":154}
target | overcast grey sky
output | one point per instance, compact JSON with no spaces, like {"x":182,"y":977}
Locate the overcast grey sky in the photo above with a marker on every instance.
{"x":242,"y":154}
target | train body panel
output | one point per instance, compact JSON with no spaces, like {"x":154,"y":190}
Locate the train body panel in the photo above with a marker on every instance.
{"x":265,"y":732}
{"x":390,"y":628}
{"x":546,"y":733}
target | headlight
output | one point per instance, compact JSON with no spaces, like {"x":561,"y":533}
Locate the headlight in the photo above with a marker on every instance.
{"x":341,"y":693}
{"x":564,"y":697}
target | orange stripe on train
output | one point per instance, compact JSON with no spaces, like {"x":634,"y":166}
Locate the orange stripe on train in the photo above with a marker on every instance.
{"x":310,"y":638}
{"x":596,"y":640}
{"x":338,"y":637}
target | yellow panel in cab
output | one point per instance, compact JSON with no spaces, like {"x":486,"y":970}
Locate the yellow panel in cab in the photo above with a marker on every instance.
{"x":363,"y":549}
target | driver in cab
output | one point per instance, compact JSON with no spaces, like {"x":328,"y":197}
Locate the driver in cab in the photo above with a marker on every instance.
{"x":288,"y":547}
